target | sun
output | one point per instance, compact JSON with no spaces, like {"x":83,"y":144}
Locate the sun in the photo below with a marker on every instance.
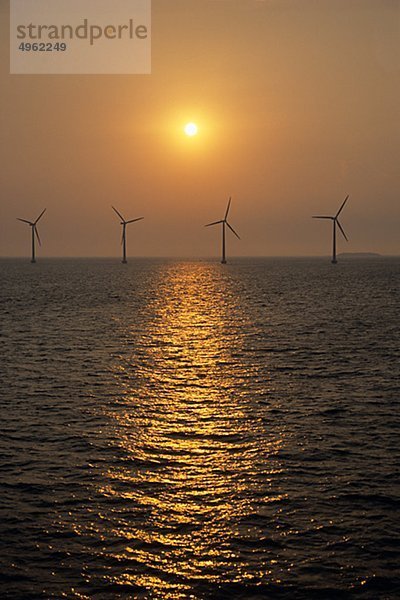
{"x":191,"y":129}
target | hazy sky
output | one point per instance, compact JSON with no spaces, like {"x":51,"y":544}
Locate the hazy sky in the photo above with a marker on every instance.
{"x":297,"y":103}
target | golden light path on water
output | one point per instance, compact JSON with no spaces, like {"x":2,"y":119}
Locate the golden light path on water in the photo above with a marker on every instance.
{"x":197,"y":450}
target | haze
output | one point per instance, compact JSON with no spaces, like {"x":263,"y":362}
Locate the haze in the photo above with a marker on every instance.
{"x":297,"y":105}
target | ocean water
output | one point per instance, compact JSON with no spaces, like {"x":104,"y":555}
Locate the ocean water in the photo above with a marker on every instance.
{"x":177,"y":429}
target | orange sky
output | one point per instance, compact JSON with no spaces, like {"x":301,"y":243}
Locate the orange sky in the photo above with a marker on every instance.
{"x":297,"y":105}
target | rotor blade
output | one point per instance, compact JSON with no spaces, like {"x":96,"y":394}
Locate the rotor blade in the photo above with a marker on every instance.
{"x":341,"y":208}
{"x":233,"y":231}
{"x":37,"y":235}
{"x":40,"y":216}
{"x":123,"y":236}
{"x":342,"y":230}
{"x":118,"y":213}
{"x":134,"y":220}
{"x":319,"y":217}
{"x":24,"y":221}
{"x":227,"y":208}
{"x":215,"y":223}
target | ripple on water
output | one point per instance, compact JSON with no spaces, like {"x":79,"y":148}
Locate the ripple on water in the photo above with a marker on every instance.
{"x":182,"y":430}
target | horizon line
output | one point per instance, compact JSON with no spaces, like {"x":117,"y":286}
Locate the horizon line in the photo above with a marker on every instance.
{"x":209,"y":258}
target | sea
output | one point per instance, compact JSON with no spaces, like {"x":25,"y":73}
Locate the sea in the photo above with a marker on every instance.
{"x":182,"y":429}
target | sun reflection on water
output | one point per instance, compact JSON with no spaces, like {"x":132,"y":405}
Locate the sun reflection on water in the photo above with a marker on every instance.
{"x":198,"y":460}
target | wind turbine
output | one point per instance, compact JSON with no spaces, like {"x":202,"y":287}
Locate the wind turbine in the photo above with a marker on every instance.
{"x":124,"y":224}
{"x":34,"y":233}
{"x":335,"y":222}
{"x":224,"y":222}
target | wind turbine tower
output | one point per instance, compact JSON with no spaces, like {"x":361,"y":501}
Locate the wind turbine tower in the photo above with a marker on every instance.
{"x":35,"y":233}
{"x":224,"y":223}
{"x":335,"y":222}
{"x":124,"y":223}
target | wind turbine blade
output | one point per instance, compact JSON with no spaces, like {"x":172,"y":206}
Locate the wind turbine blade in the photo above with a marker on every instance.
{"x":319,"y":217}
{"x":118,"y":213}
{"x":134,"y":220}
{"x":342,"y":230}
{"x":215,"y":223}
{"x":24,"y":221}
{"x":233,"y":231}
{"x":40,"y":216}
{"x":227,"y":208}
{"x":37,"y":235}
{"x":341,"y":208}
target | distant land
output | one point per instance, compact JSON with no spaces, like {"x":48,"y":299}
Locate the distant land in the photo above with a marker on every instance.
{"x":358,"y":254}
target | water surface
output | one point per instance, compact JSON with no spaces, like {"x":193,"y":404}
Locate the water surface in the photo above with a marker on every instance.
{"x":177,"y":429}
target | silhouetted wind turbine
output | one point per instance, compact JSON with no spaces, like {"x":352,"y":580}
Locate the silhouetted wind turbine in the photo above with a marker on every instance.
{"x":336,"y":222}
{"x":34,"y":233}
{"x":124,"y":224}
{"x":224,"y":222}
